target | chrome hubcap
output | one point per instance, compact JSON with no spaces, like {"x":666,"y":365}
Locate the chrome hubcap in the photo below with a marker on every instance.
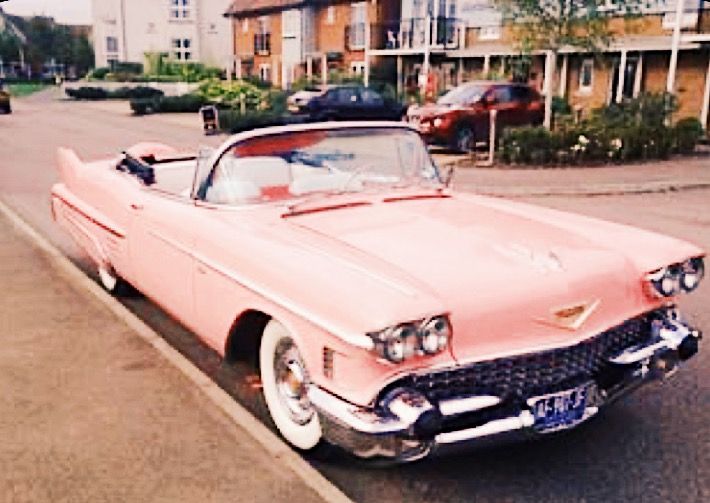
{"x":292,"y":382}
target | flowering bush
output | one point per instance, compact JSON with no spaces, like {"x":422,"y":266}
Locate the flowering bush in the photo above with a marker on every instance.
{"x":633,"y":131}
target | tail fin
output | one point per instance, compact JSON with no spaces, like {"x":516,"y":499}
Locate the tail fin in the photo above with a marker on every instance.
{"x":67,"y":164}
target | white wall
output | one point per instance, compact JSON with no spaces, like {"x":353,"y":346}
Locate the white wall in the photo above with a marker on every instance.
{"x":150,"y":28}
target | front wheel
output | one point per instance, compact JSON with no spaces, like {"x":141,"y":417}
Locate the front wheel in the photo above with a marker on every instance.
{"x":465,"y":139}
{"x":285,"y":384}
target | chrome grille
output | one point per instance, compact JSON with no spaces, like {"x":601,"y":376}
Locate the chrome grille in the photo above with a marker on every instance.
{"x":533,"y":374}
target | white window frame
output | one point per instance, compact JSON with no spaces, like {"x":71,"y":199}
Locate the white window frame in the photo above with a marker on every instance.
{"x":586,"y":89}
{"x":112,"y":40}
{"x":330,"y":15}
{"x":181,"y":48}
{"x":358,"y":21}
{"x":265,"y":72}
{"x":357,"y":68}
{"x":179,"y":10}
{"x":492,"y":32}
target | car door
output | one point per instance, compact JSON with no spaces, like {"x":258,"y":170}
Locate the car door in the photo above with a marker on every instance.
{"x":373,"y":106}
{"x":349,"y":105}
{"x":500,"y":98}
{"x":160,"y":247}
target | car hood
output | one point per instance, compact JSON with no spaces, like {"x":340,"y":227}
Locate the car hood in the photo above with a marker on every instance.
{"x":500,"y":269}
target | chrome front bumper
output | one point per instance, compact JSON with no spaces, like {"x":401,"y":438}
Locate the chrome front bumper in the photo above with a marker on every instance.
{"x":406,"y":426}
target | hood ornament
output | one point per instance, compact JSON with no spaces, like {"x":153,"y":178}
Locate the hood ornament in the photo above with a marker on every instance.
{"x":571,"y":317}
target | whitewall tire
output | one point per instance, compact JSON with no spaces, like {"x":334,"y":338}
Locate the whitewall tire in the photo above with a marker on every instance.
{"x":285,"y":382}
{"x":112,"y":282}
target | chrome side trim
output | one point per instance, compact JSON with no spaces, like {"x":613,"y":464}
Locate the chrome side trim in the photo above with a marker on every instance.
{"x":357,"y":340}
{"x":524,"y":420}
{"x":468,"y":404}
{"x":178,"y":246}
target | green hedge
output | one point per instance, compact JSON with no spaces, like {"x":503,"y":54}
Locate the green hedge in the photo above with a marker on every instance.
{"x":122,"y":93}
{"x":633,"y":131}
{"x":188,"y":103}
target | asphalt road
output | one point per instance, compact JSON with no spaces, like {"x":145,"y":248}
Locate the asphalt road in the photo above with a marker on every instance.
{"x":653,"y":446}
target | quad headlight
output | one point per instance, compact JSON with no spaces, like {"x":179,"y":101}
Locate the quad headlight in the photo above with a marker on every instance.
{"x":692,"y":272}
{"x":400,"y":342}
{"x":670,"y":281}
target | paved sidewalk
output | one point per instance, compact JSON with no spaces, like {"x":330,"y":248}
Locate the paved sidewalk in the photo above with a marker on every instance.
{"x":662,"y":176}
{"x":91,"y":412}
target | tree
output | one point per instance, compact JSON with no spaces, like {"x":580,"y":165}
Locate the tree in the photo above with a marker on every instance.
{"x":551,"y":25}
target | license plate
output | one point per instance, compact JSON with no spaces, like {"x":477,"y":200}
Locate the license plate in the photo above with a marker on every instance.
{"x":561,"y":410}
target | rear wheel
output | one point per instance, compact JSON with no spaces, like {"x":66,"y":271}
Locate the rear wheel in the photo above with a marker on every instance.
{"x":285,"y":384}
{"x":112,"y":282}
{"x":465,"y":139}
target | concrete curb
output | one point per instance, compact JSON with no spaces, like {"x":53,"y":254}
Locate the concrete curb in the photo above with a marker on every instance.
{"x":594,"y":190}
{"x":243,"y":418}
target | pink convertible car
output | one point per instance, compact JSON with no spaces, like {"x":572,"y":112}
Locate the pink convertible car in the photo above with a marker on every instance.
{"x":388,"y":314}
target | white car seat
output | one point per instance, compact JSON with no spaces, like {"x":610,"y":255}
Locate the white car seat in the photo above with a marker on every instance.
{"x":239,"y":180}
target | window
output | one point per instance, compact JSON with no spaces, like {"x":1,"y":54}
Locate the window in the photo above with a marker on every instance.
{"x":521,"y":94}
{"x":503,"y":95}
{"x":370,"y":97}
{"x":358,"y":18}
{"x":111,"y":44}
{"x":182,"y":49}
{"x":586,"y":75}
{"x":179,"y":9}
{"x":330,"y":15}
{"x":357,"y":68}
{"x":265,"y":72}
{"x":489,"y":33}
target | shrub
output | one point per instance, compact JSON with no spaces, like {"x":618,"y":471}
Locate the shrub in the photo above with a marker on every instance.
{"x":99,"y":73}
{"x":144,"y":106}
{"x":187,"y":103}
{"x":87,"y":93}
{"x":236,"y":94}
{"x":686,"y":135}
{"x":127,"y":67}
{"x":122,"y":93}
{"x":127,"y":93}
{"x":185,"y":72}
{"x":635,"y":130}
{"x":235,"y":122}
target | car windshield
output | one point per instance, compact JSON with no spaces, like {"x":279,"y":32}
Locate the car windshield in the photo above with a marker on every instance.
{"x":293,"y":165}
{"x":462,"y":95}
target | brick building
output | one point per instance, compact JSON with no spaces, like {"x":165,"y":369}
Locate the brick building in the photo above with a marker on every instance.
{"x":461,"y":40}
{"x":283,"y":40}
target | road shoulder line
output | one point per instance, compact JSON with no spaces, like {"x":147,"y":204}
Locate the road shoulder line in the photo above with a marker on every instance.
{"x":241,"y":416}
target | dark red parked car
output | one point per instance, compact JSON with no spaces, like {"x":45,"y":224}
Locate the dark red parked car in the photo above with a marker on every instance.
{"x":461,"y":117}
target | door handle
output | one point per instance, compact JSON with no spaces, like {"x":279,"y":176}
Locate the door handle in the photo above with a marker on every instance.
{"x":136,"y":206}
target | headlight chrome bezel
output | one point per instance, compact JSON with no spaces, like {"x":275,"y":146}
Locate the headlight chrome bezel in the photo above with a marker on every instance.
{"x":429,"y":337}
{"x":671,"y":280}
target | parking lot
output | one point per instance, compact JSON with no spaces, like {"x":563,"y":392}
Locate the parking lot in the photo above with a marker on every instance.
{"x":652,"y":446}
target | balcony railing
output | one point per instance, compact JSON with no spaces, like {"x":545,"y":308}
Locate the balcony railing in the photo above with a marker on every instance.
{"x":355,"y":36}
{"x":262,"y":44}
{"x":444,"y":32}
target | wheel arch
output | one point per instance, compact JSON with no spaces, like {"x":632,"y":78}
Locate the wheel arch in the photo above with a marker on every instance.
{"x":244,"y":336}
